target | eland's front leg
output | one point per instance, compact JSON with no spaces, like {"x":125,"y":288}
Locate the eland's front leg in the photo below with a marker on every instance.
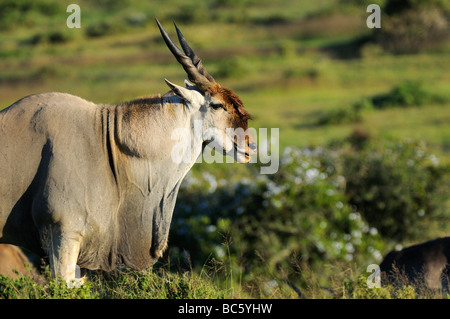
{"x":63,"y":253}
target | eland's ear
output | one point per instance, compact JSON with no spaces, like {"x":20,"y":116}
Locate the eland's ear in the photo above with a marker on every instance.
{"x":182,"y":92}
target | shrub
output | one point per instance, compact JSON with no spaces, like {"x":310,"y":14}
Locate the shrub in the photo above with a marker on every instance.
{"x":350,"y":114}
{"x":105,"y":27}
{"x":269,"y":222}
{"x":304,"y":216}
{"x":359,"y":138}
{"x":411,"y":26}
{"x":53,"y":37}
{"x":321,"y":207}
{"x":392,"y":184}
{"x":58,"y":37}
{"x":393,"y":7}
{"x":231,"y":67}
{"x":359,"y":290}
{"x":340,"y":116}
{"x":407,"y":93}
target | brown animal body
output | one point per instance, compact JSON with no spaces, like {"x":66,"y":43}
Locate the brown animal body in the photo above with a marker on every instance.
{"x":12,"y":261}
{"x":422,"y":264}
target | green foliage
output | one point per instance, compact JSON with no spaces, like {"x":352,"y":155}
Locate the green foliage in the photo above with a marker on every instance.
{"x":392,"y":184}
{"x":127,"y":284}
{"x":26,"y":12}
{"x":392,"y":7}
{"x":334,"y":116}
{"x":272,"y":221}
{"x":231,"y":67}
{"x":104,"y":27}
{"x":193,"y":12}
{"x":24,"y":287}
{"x":359,"y":290}
{"x":322,"y":206}
{"x":151,"y":284}
{"x":414,"y":25}
{"x":303,"y":217}
{"x":406,"y":94}
{"x":52,"y":37}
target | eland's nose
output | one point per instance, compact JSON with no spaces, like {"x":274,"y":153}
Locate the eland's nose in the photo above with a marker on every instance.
{"x":253,"y":146}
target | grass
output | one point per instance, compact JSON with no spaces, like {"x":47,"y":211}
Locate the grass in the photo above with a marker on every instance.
{"x":345,"y":282}
{"x":147,"y":284}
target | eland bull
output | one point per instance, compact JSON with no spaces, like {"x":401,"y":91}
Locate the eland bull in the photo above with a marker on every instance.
{"x":95,"y":185}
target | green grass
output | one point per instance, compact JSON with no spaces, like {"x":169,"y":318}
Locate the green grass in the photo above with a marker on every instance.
{"x":148,"y":284}
{"x":345,"y":281}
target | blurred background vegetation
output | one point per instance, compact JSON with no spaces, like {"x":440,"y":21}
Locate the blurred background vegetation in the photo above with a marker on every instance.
{"x":363,"y":116}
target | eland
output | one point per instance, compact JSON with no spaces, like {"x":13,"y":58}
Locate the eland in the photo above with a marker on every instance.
{"x":423,"y":265}
{"x":14,"y":263}
{"x":95,"y":185}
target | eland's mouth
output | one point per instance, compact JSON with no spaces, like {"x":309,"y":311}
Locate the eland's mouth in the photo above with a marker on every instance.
{"x":245,"y":154}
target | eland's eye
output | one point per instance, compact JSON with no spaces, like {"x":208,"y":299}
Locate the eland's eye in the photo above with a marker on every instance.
{"x":217,"y":106}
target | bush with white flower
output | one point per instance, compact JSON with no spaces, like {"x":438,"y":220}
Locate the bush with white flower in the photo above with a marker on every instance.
{"x":307,"y":213}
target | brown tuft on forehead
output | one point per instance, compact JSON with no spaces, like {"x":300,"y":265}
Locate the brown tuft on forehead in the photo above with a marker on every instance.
{"x":232,"y":100}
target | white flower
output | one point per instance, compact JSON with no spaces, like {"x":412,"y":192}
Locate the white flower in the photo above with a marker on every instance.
{"x":311,"y":174}
{"x":434,"y":160}
{"x":356,"y":233}
{"x":220,"y":252}
{"x":320,"y":246}
{"x":349,"y":248}
{"x":210,"y":228}
{"x":377,"y":255}
{"x":337,"y":245}
{"x":211,"y":180}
